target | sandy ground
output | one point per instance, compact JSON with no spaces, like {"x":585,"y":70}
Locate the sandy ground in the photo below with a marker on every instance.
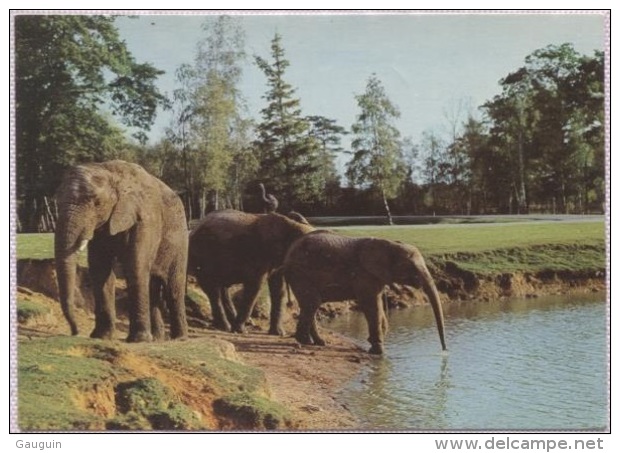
{"x":307,"y":379}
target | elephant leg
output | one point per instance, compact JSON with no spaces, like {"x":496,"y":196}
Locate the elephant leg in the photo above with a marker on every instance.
{"x":157,"y":323}
{"x":377,"y":322}
{"x":314,"y":332}
{"x":229,"y":308}
{"x":100,"y":267}
{"x":309,"y":301}
{"x":214,"y":293}
{"x":250,"y":292}
{"x":174,"y":293}
{"x":276,"y":294}
{"x":137,"y":265}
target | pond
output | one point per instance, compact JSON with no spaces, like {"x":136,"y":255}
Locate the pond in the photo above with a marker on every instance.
{"x":523,"y":364}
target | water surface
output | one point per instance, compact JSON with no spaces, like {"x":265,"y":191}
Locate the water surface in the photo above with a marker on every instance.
{"x":525,"y":364}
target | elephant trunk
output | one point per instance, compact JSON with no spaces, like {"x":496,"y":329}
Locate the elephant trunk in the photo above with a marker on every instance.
{"x":68,"y":241}
{"x":263,"y":193}
{"x":66,"y":273}
{"x":433,"y":295}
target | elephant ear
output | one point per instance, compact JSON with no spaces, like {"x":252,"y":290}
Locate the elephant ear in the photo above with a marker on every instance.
{"x":375,"y":258}
{"x":125,"y":213}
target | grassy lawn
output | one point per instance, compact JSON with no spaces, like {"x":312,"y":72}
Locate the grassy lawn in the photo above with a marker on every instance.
{"x":493,"y":247}
{"x":35,"y":245}
{"x":448,"y":239}
{"x":498,"y":248}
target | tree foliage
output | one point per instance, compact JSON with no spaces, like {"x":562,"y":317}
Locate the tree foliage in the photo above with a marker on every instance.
{"x":208,"y":125}
{"x":377,"y":154}
{"x":74,"y":76}
{"x":289,"y":155}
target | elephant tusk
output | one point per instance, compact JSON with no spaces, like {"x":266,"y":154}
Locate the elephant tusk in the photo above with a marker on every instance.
{"x":83,"y":245}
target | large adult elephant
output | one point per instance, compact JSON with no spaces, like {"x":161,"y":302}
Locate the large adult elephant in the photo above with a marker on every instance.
{"x":123,"y":213}
{"x":327,"y":267}
{"x":230,"y":247}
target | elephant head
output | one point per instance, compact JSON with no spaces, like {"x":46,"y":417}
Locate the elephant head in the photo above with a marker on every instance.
{"x":396,"y":262}
{"x":88,"y":201}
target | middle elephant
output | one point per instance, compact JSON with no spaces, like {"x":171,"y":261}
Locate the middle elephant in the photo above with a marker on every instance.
{"x":230,"y":247}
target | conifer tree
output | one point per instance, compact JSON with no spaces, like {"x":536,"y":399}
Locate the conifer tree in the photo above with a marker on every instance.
{"x":288,"y":154}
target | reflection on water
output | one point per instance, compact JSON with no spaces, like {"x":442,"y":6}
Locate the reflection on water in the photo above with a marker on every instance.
{"x":533,"y":364}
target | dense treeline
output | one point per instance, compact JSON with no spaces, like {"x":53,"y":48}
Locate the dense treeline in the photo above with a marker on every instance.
{"x":537,"y":146}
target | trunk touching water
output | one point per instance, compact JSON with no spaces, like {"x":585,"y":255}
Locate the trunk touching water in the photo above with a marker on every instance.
{"x":433,"y":296}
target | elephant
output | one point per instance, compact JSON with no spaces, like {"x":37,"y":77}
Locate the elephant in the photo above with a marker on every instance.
{"x":327,"y":267}
{"x":123,"y":213}
{"x":270,"y":202}
{"x":229,"y":247}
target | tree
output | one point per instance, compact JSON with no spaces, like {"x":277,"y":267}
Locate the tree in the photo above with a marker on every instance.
{"x":548,"y":124}
{"x":217,"y":104}
{"x":73,"y":77}
{"x":434,"y":150}
{"x":208,"y":114}
{"x":288,"y":155}
{"x":377,"y":155}
{"x":328,"y":134}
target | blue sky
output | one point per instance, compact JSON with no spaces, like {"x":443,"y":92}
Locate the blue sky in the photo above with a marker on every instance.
{"x":428,"y":63}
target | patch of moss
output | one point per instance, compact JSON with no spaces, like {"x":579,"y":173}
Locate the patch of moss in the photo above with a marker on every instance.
{"x":50,"y":370}
{"x":148,"y":404}
{"x":250,"y":411}
{"x":225,"y":375}
{"x":28,"y":309}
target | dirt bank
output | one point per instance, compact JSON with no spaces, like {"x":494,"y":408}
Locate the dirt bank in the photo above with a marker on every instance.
{"x":306,"y":381}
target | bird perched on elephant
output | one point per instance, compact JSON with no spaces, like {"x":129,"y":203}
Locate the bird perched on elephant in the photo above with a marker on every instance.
{"x":230,"y":247}
{"x":124,"y":214}
{"x":327,"y":267}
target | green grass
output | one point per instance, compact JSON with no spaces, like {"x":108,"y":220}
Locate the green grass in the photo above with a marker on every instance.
{"x":50,"y":371}
{"x":41,"y":246}
{"x":483,"y":248}
{"x":435,"y":240}
{"x":35,"y":245}
{"x":499,"y":248}
{"x":55,"y":374}
{"x":28,"y":309}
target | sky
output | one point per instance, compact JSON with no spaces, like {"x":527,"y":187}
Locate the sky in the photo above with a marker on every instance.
{"x":428,"y":63}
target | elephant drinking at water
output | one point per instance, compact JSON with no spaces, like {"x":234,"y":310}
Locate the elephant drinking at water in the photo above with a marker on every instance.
{"x":327,"y":267}
{"x":123,"y":213}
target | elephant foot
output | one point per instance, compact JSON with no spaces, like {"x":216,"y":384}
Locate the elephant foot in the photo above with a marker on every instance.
{"x":102,"y":334}
{"x":178,"y":334}
{"x":319,"y":341}
{"x":303,"y":338}
{"x":238,"y":328}
{"x":222,"y":325}
{"x":278,"y":331}
{"x":140,"y":337}
{"x":159,"y":336}
{"x":376,"y":348}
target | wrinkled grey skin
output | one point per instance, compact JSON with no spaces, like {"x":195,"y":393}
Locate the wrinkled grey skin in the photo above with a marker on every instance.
{"x":230,"y":247}
{"x":327,"y":267}
{"x":123,"y":213}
